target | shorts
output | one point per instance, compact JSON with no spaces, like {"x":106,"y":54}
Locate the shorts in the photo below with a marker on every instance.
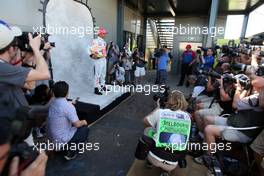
{"x":203,"y":98}
{"x":231,"y":135}
{"x":140,"y":71}
{"x":215,"y":110}
{"x":258,"y":144}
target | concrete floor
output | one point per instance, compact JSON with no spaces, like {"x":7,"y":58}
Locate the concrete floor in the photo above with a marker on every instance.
{"x":117,"y":133}
{"x":139,"y":168}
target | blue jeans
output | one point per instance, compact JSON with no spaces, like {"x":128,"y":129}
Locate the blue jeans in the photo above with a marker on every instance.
{"x":162,"y":77}
{"x":80,"y":136}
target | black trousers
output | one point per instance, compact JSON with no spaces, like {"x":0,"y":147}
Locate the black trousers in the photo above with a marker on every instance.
{"x":80,"y":136}
{"x":185,"y":71}
{"x":154,"y":63}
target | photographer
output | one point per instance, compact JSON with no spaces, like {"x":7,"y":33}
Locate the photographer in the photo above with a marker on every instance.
{"x":208,"y":60}
{"x":207,"y":104}
{"x":13,"y":78}
{"x":228,"y":128}
{"x":112,"y":57}
{"x":119,"y":73}
{"x":63,"y":124}
{"x":127,"y":65}
{"x":244,"y":99}
{"x":221,"y":103}
{"x":176,"y":102}
{"x":5,"y":138}
{"x":162,"y":64}
{"x":36,"y":168}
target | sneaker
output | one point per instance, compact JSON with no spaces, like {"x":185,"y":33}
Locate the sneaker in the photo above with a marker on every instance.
{"x":165,"y":174}
{"x":199,"y":160}
{"x":149,"y":165}
{"x":216,"y":167}
{"x":38,"y":133}
{"x":97,"y":92}
{"x":70,"y":155}
{"x":104,"y":88}
{"x":206,"y":160}
{"x":210,"y":172}
{"x":196,"y":139}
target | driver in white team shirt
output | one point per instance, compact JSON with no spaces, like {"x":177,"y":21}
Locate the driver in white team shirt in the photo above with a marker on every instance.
{"x":97,"y":52}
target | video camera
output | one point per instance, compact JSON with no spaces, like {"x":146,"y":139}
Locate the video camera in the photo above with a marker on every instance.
{"x":23,"y":41}
{"x":162,"y":96}
{"x":229,"y":78}
{"x":204,"y":49}
{"x":243,"y":80}
{"x":259,"y":71}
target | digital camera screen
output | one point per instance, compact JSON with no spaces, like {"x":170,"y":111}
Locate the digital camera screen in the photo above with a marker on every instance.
{"x":172,"y":138}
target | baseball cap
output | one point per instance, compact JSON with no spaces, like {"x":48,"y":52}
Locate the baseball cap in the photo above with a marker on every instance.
{"x":7,"y":34}
{"x":102,"y":31}
{"x":188,"y":46}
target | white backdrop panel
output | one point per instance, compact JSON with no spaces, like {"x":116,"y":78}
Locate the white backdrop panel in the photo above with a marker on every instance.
{"x":70,"y":57}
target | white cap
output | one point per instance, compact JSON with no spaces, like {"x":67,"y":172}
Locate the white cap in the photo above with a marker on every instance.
{"x":7,"y":34}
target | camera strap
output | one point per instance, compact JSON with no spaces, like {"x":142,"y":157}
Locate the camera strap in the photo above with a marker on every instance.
{"x":212,"y":102}
{"x":3,"y":61}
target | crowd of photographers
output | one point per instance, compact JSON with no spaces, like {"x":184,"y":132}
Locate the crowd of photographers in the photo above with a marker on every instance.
{"x":29,"y":101}
{"x":225,"y":81}
{"x":13,"y":79}
{"x":125,"y":67}
{"x":227,"y":101}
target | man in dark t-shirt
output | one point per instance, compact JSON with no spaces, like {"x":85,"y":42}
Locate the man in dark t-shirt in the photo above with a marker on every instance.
{"x":13,"y":78}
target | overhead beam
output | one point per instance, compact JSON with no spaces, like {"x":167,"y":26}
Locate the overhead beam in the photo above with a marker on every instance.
{"x":191,"y":14}
{"x":173,"y":7}
{"x":212,"y":20}
{"x":120,"y":23}
{"x":259,"y":3}
{"x":244,"y":27}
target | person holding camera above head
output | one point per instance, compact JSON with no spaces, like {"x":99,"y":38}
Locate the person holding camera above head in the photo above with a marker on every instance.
{"x":112,"y":57}
{"x":127,"y":65}
{"x":63,"y":124}
{"x":98,"y":53}
{"x":13,"y":78}
{"x":208,"y":60}
{"x":36,"y":168}
{"x":162,"y":64}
